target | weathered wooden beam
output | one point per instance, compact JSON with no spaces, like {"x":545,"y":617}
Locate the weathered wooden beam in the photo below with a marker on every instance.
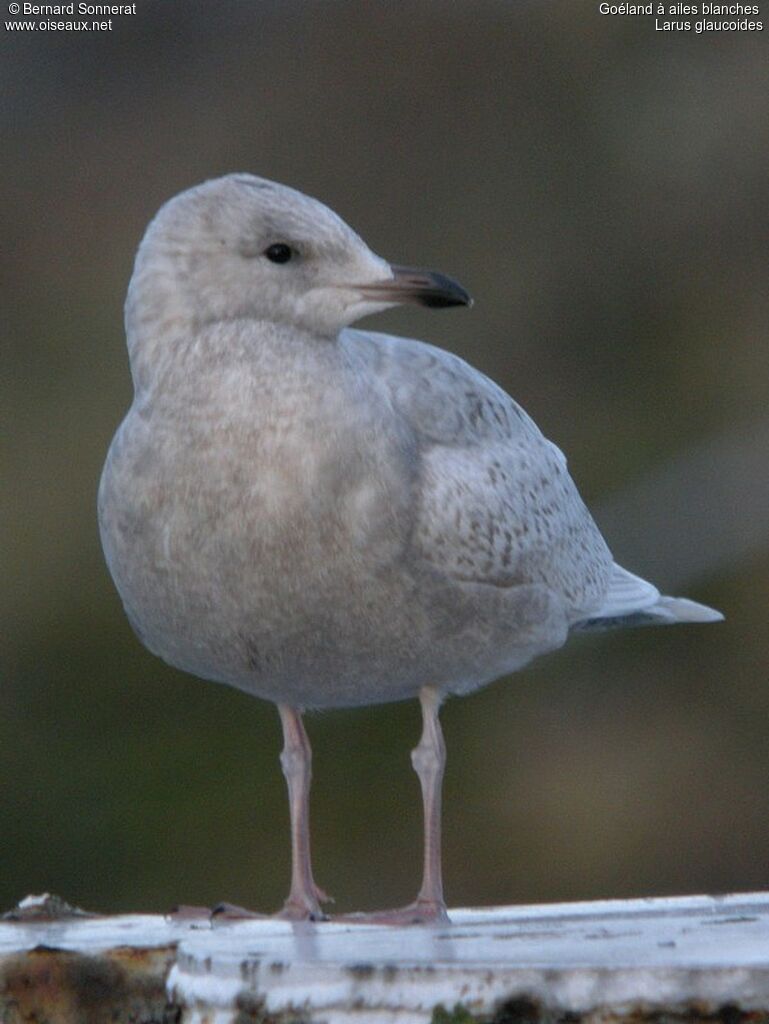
{"x":687,"y":959}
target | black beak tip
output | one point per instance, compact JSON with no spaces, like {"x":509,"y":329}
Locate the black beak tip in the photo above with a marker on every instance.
{"x":425,"y":287}
{"x":443,"y":293}
{"x":443,"y":301}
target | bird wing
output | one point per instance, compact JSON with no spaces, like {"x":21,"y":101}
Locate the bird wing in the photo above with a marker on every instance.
{"x":496,"y":504}
{"x":633,"y":601}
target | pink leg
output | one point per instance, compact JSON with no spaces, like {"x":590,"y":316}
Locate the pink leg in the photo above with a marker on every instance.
{"x":429,"y":761}
{"x":304,"y":897}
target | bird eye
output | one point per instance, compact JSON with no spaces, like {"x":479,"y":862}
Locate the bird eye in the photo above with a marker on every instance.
{"x":279,"y":253}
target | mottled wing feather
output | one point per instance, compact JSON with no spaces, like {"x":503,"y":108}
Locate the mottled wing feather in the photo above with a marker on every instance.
{"x":496,"y":502}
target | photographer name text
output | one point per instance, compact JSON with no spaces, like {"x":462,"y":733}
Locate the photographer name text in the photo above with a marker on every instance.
{"x":58,"y":10}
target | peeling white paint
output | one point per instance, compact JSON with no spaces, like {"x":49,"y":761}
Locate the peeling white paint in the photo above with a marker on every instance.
{"x":614,"y":955}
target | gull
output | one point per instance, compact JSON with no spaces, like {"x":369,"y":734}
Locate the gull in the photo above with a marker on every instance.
{"x":330,"y":517}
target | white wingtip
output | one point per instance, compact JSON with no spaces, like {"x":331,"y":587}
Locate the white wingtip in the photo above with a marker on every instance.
{"x":681,"y":609}
{"x":632,"y":601}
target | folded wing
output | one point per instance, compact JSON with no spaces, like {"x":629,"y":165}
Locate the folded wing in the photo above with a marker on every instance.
{"x":496,"y":504}
{"x":632,"y":601}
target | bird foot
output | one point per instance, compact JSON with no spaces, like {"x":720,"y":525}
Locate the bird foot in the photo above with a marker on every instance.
{"x":418,"y":912}
{"x":292,"y":911}
{"x":305,"y":906}
{"x":186,"y":913}
{"x":232,"y":912}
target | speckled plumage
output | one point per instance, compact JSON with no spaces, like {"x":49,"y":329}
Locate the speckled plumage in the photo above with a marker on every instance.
{"x":320,"y":515}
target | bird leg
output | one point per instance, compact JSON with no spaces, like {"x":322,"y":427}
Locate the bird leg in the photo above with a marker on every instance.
{"x":429,"y":761}
{"x":305,"y":896}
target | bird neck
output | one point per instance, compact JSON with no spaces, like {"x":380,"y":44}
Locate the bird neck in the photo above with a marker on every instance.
{"x":157,"y":314}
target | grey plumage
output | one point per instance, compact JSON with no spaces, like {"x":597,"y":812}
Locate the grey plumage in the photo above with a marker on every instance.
{"x":320,"y":515}
{"x":325,"y":516}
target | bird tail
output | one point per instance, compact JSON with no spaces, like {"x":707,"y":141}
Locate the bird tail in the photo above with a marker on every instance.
{"x":631,"y":601}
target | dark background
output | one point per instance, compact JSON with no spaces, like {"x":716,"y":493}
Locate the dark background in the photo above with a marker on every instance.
{"x":601,"y":189}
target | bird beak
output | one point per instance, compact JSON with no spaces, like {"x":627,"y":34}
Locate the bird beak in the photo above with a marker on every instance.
{"x":409,"y":284}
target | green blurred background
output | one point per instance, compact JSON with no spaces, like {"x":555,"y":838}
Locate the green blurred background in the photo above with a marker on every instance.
{"x":601,"y":189}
